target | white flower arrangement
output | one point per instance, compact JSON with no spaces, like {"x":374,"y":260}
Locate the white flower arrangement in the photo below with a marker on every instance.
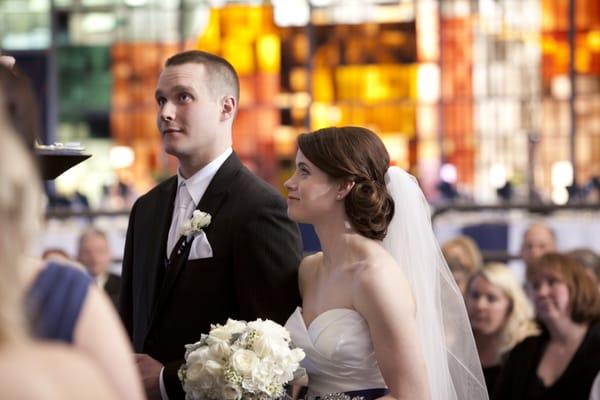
{"x":240,"y":360}
{"x":194,"y":225}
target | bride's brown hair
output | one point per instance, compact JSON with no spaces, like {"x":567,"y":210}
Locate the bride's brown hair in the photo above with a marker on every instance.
{"x":355,"y":154}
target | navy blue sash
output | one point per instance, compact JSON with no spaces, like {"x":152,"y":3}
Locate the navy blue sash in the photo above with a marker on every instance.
{"x":367,"y":394}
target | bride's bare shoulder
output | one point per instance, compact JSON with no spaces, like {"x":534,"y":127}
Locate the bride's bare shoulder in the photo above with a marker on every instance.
{"x":380,"y":272}
{"x":308,"y":268}
{"x":59,"y":373}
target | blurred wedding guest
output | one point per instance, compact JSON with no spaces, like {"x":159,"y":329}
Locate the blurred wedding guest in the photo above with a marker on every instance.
{"x":31,"y":369}
{"x":55,"y":253}
{"x":538,"y":240}
{"x":460,"y":273}
{"x":463,"y":257}
{"x":590,"y":261}
{"x":500,"y":314}
{"x":465,"y":250}
{"x":95,"y":255}
{"x":561,"y":362}
{"x":61,"y":302}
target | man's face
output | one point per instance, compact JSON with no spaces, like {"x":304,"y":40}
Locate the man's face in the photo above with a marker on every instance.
{"x":537,"y":241}
{"x":94,"y":254}
{"x":189,"y":115}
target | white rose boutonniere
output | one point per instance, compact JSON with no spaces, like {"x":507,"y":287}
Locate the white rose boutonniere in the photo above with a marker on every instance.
{"x":194,"y":225}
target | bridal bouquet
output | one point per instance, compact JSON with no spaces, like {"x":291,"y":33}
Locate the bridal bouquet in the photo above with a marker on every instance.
{"x":240,"y":360}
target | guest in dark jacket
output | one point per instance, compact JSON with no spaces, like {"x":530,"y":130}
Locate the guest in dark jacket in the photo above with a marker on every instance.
{"x":95,"y":255}
{"x":561,"y":362}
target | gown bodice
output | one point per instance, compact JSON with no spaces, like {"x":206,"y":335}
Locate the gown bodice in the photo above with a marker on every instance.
{"x":339,"y":352}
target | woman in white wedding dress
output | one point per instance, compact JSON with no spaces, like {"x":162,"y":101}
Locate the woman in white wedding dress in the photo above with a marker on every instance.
{"x":381,"y":316}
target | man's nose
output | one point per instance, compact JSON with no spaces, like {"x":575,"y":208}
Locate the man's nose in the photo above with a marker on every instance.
{"x":167,"y":112}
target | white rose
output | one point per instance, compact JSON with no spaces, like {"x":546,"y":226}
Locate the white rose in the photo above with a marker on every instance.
{"x":219,"y":349}
{"x":202,"y":371}
{"x":186,"y":228}
{"x":266,"y":346}
{"x":225,"y":332}
{"x":244,"y":361}
{"x":213,"y":367}
{"x":262,"y":375}
{"x":200,"y":219}
{"x":270,"y":329}
{"x":234,"y":327}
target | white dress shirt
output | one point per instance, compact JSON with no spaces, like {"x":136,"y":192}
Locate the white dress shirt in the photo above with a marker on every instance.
{"x":196,"y":186}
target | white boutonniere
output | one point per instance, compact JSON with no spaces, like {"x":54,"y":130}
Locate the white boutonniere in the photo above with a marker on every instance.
{"x":194,"y":225}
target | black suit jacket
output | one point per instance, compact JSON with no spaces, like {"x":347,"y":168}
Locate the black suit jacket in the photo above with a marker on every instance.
{"x":112,"y":288}
{"x":252,"y":274}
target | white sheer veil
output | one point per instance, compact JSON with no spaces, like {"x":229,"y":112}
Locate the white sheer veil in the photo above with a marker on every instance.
{"x":453,"y":366}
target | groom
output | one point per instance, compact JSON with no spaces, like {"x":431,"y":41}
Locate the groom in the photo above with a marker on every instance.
{"x":243,"y":265}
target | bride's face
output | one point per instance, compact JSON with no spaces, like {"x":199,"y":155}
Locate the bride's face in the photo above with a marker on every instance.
{"x":312,"y":194}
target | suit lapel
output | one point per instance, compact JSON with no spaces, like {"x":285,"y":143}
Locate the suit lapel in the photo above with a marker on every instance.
{"x":211,"y":202}
{"x":162,"y":214}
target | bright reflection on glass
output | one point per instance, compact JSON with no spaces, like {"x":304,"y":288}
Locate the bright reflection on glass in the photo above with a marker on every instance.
{"x":321,"y":3}
{"x":562,"y":174}
{"x":497,"y":175}
{"x":560,"y":195}
{"x":561,"y":87}
{"x":121,"y":157}
{"x":428,"y":83}
{"x":448,"y":173}
{"x":291,"y":12}
{"x":135,"y":3}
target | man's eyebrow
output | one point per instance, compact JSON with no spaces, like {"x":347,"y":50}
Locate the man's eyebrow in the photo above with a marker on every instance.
{"x":178,"y":88}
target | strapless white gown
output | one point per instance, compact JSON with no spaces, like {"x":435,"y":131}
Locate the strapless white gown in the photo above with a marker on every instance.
{"x":339,"y":352}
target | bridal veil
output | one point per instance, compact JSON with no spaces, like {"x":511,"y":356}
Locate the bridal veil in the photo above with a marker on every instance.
{"x":443,"y":327}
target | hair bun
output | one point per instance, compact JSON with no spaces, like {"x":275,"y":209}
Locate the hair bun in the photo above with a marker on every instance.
{"x":370,"y":208}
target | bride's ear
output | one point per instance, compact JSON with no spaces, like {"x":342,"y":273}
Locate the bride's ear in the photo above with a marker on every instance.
{"x":343,"y":189}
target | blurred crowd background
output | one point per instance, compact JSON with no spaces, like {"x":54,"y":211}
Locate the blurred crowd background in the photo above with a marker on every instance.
{"x":493,"y":104}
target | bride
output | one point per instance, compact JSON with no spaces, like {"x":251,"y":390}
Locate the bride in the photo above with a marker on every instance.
{"x":381,"y":316}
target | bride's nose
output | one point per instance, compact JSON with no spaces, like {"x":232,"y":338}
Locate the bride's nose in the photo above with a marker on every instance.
{"x":289,"y":184}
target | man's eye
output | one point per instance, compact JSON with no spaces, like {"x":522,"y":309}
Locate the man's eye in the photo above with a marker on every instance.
{"x":160,"y":101}
{"x":185,"y":97}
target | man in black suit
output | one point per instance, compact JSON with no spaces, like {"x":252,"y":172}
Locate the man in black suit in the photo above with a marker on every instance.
{"x":95,"y":255}
{"x":243,"y":265}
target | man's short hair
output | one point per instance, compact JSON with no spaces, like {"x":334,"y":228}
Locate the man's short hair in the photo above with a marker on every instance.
{"x":222,"y":76}
{"x":92,"y":232}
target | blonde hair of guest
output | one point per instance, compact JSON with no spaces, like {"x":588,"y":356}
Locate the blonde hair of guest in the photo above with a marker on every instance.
{"x":520,"y":320}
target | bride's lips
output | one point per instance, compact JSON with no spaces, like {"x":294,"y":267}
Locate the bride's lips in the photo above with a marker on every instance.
{"x":292,"y":198}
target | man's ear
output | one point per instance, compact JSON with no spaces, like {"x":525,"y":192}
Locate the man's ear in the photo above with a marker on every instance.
{"x":343,"y":189}
{"x":228,"y":107}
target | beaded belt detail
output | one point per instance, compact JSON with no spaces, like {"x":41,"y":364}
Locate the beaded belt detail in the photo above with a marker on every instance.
{"x":340,"y":396}
{"x":367,"y":394}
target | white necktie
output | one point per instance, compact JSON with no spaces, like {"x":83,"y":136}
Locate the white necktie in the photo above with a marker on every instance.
{"x":184,"y":206}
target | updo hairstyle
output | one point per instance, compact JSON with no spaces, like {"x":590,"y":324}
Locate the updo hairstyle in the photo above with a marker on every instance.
{"x":355,"y":154}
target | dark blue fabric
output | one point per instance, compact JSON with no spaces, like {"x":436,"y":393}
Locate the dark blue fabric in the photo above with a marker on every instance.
{"x":310,"y":241}
{"x":366,"y":394}
{"x":488,"y":236}
{"x":54,"y":301}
